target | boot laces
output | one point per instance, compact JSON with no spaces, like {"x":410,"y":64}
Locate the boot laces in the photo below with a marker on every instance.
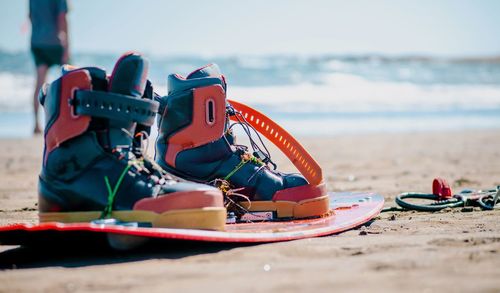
{"x":259,"y":156}
{"x":136,"y":156}
{"x":260,"y":151}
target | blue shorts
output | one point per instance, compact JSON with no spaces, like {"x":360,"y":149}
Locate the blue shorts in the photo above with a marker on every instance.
{"x":48,"y":55}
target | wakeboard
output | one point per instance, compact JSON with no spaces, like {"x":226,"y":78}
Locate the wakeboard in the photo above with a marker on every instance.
{"x":348,"y":210}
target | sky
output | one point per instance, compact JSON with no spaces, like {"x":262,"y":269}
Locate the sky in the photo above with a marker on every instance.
{"x":231,"y":27}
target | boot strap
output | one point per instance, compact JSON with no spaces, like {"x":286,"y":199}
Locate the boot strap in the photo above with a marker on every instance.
{"x":295,"y":152}
{"x":115,"y":106}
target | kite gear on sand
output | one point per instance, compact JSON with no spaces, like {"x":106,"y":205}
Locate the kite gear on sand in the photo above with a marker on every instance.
{"x":98,"y":182}
{"x":94,"y":166}
{"x":196,"y":142}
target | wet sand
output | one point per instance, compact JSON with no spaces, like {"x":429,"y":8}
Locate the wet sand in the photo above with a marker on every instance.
{"x":418,"y":252}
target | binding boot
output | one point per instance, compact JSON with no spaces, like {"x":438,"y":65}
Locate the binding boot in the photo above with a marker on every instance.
{"x":196,"y":142}
{"x":94,"y":166}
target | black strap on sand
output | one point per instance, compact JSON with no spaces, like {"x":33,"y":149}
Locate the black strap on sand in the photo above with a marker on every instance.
{"x":115,"y":106}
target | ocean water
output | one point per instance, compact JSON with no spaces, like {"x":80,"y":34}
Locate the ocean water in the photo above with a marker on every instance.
{"x":310,"y":96}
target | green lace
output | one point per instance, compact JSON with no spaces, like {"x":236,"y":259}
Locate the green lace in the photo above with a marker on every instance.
{"x":243,"y":161}
{"x":112,"y":192}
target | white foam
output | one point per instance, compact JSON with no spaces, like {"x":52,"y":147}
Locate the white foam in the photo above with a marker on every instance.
{"x":338,"y":93}
{"x":16,"y":92}
{"x":415,"y":107}
{"x":349,"y":93}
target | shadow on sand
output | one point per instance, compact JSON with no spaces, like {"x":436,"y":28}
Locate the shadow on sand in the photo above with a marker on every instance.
{"x":73,"y":253}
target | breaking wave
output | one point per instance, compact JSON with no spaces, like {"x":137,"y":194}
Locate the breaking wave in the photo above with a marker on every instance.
{"x":346,"y":93}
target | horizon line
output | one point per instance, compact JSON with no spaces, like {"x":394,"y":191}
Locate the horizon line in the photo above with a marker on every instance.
{"x":358,"y":55}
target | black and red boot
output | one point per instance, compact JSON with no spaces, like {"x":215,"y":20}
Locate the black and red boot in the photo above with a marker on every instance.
{"x":93,"y":164}
{"x":196,"y":142}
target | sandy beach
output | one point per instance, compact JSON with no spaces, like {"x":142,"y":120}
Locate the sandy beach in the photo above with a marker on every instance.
{"x":451,"y":251}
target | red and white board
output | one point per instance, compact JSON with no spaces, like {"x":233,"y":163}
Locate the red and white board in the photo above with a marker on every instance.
{"x":350,"y":209}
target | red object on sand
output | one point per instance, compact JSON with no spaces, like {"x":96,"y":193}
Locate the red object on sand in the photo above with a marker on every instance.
{"x":441,"y":188}
{"x":349,"y":210}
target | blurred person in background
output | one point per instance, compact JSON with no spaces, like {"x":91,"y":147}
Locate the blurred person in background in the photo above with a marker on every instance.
{"x":49,"y":41}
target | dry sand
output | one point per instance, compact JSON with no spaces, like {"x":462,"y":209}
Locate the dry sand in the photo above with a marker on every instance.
{"x":432,"y":252}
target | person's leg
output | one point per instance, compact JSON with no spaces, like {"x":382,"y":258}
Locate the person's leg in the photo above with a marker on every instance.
{"x":41,"y":75}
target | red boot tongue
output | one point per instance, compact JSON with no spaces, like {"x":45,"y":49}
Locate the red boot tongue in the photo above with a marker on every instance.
{"x":129,"y":75}
{"x":210,"y":70}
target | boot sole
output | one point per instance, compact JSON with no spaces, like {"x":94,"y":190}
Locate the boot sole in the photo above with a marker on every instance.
{"x":315,"y":207}
{"x":210,"y":218}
